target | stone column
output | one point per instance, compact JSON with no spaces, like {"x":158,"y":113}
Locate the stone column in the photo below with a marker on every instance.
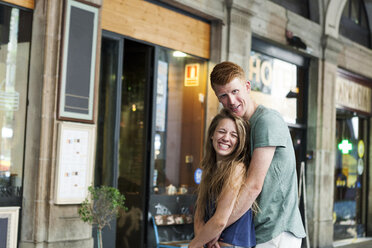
{"x":238,"y":31}
{"x":321,"y":140}
{"x":45,"y":224}
{"x":33,"y":128}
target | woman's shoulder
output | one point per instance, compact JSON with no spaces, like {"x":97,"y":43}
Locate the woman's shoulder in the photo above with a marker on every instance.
{"x":239,"y":167}
{"x":238,"y":173}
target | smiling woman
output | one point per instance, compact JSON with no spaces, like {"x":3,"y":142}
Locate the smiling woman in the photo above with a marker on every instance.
{"x":225,"y":166}
{"x":225,"y":138}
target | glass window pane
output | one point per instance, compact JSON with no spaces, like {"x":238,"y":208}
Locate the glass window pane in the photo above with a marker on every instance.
{"x":274,"y":84}
{"x":354,"y":14}
{"x":107,"y":126}
{"x":355,"y":25}
{"x":15,"y":38}
{"x":181,"y":86}
{"x":178,"y":140}
{"x":350,"y":175}
{"x":136,"y":83}
{"x":300,"y":7}
{"x":363,"y":17}
{"x":106,"y":146}
{"x":346,"y":9}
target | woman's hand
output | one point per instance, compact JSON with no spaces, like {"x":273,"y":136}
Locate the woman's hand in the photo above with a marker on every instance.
{"x":214,"y":243}
{"x":211,"y":230}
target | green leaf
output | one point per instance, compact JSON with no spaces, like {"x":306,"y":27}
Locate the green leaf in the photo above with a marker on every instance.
{"x":102,"y":205}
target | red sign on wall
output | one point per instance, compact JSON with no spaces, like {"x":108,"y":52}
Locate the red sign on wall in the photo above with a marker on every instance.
{"x":192,"y":75}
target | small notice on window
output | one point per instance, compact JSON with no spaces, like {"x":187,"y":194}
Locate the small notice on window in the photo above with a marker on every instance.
{"x":192,"y":75}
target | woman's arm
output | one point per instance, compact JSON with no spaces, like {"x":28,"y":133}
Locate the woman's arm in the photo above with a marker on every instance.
{"x":224,"y":208}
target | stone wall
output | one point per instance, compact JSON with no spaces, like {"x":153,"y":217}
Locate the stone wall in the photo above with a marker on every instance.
{"x":233,"y":23}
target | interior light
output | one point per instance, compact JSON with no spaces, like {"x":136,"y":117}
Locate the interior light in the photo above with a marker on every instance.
{"x":6,"y":132}
{"x":179,"y":54}
{"x":345,"y":146}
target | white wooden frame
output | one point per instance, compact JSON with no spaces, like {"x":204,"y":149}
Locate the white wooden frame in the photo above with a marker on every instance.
{"x":11,"y":213}
{"x":68,"y":115}
{"x":75,"y":162}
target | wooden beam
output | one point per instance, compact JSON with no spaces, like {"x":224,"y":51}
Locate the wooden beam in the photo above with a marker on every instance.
{"x":30,"y":4}
{"x":155,"y":24}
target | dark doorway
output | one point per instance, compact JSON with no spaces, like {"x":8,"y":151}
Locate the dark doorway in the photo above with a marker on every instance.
{"x":122,"y":151}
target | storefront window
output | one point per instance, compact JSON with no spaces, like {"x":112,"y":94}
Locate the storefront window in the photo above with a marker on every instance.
{"x":178,"y":142}
{"x":350,"y":201}
{"x":180,"y":101}
{"x":148,"y":94}
{"x":15,"y":38}
{"x":277,"y":84}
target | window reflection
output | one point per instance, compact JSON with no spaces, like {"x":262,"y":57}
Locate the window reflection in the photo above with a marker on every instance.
{"x":178,"y":142}
{"x":15,"y":37}
{"x":133,"y":131}
{"x":350,"y":177}
{"x":354,"y":22}
{"x":274,"y":83}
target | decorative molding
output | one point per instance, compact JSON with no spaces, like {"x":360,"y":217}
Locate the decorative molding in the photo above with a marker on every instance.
{"x":353,"y":95}
{"x":332,"y":48}
{"x":333,"y":16}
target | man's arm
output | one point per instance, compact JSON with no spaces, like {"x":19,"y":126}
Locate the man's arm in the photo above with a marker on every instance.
{"x":216,"y":224}
{"x":198,"y":223}
{"x":258,"y":167}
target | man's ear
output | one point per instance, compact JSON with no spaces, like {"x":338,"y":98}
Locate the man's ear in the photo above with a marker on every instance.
{"x":248,"y":85}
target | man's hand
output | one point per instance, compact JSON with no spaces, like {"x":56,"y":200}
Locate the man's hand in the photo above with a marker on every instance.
{"x":214,"y":243}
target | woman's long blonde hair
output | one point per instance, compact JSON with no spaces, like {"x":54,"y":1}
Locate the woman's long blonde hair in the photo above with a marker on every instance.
{"x":214,"y":176}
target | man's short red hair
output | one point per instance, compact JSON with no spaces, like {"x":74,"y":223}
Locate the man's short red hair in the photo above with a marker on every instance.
{"x":225,"y":72}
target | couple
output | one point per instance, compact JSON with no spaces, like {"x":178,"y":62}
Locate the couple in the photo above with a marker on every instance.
{"x":249,"y":158}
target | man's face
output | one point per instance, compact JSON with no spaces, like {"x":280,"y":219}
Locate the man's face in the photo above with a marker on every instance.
{"x":234,"y":96}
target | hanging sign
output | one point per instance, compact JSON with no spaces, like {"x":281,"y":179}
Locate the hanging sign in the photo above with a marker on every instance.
{"x":361,"y":148}
{"x":198,"y":175}
{"x":353,"y":95}
{"x":192,"y":75}
{"x":360,"y":166}
{"x":345,"y":146}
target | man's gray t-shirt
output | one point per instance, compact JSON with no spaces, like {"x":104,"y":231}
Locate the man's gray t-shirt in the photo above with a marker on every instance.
{"x":278,"y":200}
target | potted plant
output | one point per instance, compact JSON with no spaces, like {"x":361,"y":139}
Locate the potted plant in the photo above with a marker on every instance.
{"x":101,"y":207}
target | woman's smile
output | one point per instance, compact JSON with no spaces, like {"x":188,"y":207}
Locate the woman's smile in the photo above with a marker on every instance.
{"x":224,"y":138}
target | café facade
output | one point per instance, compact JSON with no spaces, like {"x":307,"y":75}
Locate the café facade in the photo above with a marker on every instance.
{"x":116,"y":93}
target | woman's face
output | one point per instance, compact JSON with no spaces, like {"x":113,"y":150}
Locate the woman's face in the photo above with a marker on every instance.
{"x":224,"y":138}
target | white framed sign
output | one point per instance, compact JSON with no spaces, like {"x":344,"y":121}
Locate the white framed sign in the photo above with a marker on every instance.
{"x":79,"y":45}
{"x":9,"y":226}
{"x":75,"y":162}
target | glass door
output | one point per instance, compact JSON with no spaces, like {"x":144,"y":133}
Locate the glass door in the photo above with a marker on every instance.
{"x":133,"y":149}
{"x":123,"y":131}
{"x":179,"y":119}
{"x":150,"y":135}
{"x":350,"y":196}
{"x":107,"y":125}
{"x":178,"y":136}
